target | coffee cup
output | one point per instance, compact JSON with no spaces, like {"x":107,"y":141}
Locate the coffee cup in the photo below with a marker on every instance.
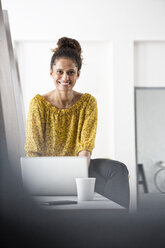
{"x":85,"y":188}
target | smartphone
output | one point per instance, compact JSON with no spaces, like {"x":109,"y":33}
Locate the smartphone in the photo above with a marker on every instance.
{"x":63,"y":202}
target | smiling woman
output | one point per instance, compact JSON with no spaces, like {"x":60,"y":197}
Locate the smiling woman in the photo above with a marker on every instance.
{"x":62,"y":122}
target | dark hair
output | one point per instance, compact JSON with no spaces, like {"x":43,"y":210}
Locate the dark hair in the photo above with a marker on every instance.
{"x":68,"y":48}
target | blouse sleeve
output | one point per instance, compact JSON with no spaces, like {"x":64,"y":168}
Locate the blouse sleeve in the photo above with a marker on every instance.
{"x":88,"y":132}
{"x":34,"y":145}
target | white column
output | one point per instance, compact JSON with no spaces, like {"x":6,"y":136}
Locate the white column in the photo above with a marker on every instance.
{"x":124,"y":124}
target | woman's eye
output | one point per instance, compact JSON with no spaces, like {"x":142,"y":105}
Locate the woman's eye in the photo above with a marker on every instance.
{"x":71,"y":72}
{"x":59,"y":72}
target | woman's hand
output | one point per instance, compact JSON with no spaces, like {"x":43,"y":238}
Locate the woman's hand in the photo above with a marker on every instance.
{"x":86,"y":154}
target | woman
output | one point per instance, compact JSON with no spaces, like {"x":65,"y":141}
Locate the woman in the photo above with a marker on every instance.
{"x":62,"y":122}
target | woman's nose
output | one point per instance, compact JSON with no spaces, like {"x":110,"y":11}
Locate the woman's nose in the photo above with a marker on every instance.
{"x":65,"y":76}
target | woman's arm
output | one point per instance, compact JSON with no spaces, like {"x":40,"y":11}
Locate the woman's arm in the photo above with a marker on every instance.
{"x":86,"y":154}
{"x":34,"y":144}
{"x":88,"y":132}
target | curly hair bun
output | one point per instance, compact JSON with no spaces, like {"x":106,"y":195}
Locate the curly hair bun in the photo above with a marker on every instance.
{"x":65,"y":42}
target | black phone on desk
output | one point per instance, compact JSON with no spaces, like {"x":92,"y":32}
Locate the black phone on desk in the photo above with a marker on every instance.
{"x":59,"y":202}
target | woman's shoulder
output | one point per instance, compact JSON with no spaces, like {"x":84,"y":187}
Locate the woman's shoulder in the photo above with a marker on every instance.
{"x":86,"y":96}
{"x":38,"y":101}
{"x":48,"y":95}
{"x":90,"y":98}
{"x":87,"y":103}
{"x":84,"y":99}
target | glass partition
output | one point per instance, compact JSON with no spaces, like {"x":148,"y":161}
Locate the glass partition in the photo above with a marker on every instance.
{"x":150,"y":146}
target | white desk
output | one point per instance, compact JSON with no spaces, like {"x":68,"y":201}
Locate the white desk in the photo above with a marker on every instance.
{"x":99,"y":202}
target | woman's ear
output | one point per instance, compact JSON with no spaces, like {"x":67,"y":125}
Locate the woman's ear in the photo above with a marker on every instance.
{"x":78,"y":74}
{"x":51,"y":72}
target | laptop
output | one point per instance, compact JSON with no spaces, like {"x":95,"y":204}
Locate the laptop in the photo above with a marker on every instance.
{"x":52,"y":175}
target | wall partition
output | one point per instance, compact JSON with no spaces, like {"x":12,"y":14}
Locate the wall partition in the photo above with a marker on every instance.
{"x":11,"y":106}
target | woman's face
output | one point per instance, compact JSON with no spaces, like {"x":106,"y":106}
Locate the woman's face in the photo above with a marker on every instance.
{"x":65,"y":74}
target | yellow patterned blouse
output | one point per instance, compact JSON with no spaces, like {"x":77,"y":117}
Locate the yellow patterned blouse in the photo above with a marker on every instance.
{"x":60,"y":132}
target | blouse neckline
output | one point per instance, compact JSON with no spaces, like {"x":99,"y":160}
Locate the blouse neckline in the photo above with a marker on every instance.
{"x":75,"y":105}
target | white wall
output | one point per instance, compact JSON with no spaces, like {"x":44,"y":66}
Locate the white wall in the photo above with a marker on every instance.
{"x":149,"y":63}
{"x":117,"y":21}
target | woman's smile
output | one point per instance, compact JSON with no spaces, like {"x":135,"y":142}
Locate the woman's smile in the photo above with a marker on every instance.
{"x":65,"y":84}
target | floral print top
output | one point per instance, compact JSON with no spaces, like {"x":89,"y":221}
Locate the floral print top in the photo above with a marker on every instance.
{"x":60,"y":132}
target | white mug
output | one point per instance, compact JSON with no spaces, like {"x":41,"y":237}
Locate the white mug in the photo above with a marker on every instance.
{"x":85,"y":188}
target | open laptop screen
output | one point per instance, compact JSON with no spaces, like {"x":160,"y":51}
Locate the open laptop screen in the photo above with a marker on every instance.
{"x":52,"y":175}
